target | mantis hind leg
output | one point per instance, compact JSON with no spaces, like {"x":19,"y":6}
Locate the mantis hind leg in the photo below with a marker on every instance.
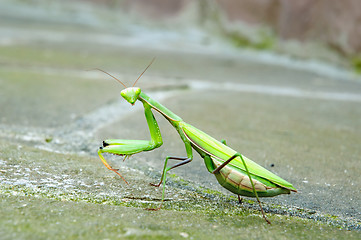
{"x":249,"y":175}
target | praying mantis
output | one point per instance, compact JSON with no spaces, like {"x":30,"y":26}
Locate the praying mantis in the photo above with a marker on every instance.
{"x":233,"y":171}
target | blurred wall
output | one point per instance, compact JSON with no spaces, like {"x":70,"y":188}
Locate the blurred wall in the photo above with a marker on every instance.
{"x":334,"y":23}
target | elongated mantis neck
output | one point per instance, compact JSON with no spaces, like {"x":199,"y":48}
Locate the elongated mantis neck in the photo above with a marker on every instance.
{"x":170,"y":116}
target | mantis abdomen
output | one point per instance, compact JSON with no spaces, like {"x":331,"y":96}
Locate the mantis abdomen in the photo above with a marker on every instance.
{"x":237,"y":181}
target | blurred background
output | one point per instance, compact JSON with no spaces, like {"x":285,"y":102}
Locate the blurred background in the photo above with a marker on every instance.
{"x":189,"y":38}
{"x":323,"y":30}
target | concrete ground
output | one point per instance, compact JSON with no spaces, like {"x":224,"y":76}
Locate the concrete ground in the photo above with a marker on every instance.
{"x":298,"y":120}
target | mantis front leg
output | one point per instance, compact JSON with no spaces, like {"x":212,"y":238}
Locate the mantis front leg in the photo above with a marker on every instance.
{"x":130,"y":147}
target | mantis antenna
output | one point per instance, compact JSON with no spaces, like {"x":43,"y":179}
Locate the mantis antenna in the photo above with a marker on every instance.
{"x":144,"y":71}
{"x":111,"y":76}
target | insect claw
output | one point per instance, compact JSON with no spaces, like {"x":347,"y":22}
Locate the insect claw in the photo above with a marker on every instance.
{"x":155,"y":209}
{"x":155,"y":185}
{"x":116,"y":171}
{"x":152,"y":209}
{"x":240,"y":199}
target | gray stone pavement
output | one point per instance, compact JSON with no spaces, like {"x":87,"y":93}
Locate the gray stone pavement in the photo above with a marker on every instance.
{"x":302,"y":124}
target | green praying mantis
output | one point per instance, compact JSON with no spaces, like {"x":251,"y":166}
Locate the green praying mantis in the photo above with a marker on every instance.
{"x":233,"y":171}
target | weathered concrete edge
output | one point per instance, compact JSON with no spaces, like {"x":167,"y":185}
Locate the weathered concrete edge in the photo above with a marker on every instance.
{"x":344,"y":223}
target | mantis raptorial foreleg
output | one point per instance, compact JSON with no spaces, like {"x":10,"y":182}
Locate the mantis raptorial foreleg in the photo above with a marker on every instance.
{"x":129,"y":147}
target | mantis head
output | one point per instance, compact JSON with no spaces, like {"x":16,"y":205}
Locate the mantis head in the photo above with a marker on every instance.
{"x":131,"y":94}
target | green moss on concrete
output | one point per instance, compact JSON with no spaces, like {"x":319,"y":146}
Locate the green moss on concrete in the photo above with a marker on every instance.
{"x":45,"y":194}
{"x":356,"y":63}
{"x":263,"y":42}
{"x":38,"y":218}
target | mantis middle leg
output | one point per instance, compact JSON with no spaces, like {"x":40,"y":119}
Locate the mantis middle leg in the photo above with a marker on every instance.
{"x":184,"y":160}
